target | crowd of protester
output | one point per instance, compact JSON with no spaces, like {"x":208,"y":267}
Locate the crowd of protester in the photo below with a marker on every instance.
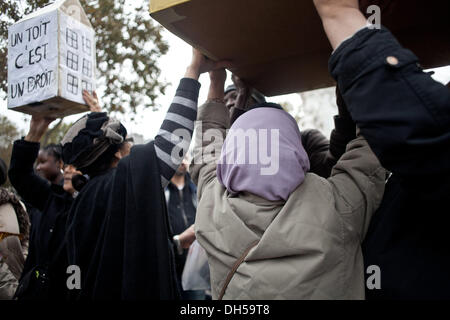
{"x":126,"y":216}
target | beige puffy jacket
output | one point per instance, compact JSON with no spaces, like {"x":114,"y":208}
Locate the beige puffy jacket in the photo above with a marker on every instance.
{"x":12,"y":253}
{"x":305,"y":248}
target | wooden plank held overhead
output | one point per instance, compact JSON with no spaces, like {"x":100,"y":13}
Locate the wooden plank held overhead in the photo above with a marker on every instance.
{"x":280,"y":47}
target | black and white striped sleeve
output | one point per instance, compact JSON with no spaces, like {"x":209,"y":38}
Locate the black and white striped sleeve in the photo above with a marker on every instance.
{"x":174,"y":137}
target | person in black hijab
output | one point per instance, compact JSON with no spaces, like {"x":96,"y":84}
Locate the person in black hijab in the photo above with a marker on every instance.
{"x":118,"y":232}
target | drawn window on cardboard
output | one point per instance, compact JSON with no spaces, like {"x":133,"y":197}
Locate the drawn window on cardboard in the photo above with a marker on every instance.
{"x":86,"y":45}
{"x":72,"y":60}
{"x":72,"y":84}
{"x":87,"y":68}
{"x":72,"y":38}
{"x":85,"y":85}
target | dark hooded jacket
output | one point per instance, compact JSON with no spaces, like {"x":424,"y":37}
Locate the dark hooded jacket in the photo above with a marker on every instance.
{"x":40,"y":278}
{"x":181,"y":208}
{"x":405,"y":116}
{"x":118,"y":233}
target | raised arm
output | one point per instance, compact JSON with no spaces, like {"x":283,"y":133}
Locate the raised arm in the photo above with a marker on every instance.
{"x":174,"y":137}
{"x":213,"y":120}
{"x":31,"y":187}
{"x":341,"y":19}
{"x":402,"y":112}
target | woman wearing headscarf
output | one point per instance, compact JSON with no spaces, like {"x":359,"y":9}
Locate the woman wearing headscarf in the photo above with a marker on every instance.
{"x":323,"y":153}
{"x":271,"y":229}
{"x":118,"y":233}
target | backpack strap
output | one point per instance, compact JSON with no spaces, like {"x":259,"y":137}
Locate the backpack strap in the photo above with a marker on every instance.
{"x":235,"y":267}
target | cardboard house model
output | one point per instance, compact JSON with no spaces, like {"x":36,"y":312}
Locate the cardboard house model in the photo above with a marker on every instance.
{"x":51,"y":59}
{"x":279,"y":46}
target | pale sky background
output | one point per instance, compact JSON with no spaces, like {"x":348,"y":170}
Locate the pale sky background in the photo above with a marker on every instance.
{"x":173,"y":66}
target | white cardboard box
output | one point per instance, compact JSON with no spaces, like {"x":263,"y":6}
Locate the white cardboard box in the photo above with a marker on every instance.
{"x":51,"y":59}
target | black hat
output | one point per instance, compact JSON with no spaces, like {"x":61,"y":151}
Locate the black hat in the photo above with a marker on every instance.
{"x":231,"y":87}
{"x":90,"y":137}
{"x":256,"y":95}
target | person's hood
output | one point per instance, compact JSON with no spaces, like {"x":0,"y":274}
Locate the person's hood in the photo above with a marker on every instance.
{"x":263,"y":155}
{"x":8,"y":219}
{"x":255,"y":94}
{"x":13,"y":216}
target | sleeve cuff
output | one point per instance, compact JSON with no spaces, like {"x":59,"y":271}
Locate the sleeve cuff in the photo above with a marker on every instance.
{"x":367,"y":50}
{"x":24,"y":143}
{"x":188,"y":88}
{"x":365,"y":27}
{"x":24,"y":153}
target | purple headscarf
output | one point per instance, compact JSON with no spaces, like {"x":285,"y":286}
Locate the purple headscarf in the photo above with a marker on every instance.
{"x":263,"y":154}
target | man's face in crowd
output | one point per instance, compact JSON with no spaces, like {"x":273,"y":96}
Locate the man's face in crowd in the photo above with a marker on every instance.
{"x":47,"y":166}
{"x":230,"y":99}
{"x":69,"y":172}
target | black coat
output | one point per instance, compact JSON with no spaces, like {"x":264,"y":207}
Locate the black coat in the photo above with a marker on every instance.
{"x":118,"y":233}
{"x":323,"y":154}
{"x":405,"y":116}
{"x":181,"y":207}
{"x":48,"y":220}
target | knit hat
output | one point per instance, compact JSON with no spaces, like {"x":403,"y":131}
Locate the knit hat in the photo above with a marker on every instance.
{"x":231,"y":87}
{"x":13,"y":219}
{"x":90,"y":137}
{"x":256,"y":95}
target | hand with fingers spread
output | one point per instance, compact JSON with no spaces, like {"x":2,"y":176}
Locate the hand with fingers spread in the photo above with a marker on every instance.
{"x":92,"y":101}
{"x":200,"y":64}
{"x":38,"y":127}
